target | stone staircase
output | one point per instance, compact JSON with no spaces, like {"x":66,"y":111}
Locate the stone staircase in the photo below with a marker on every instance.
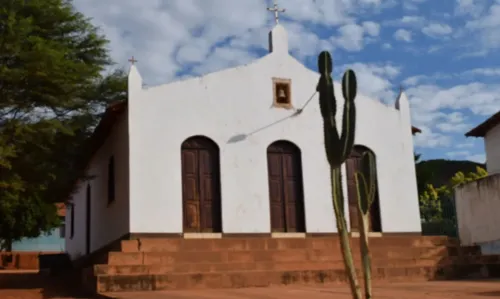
{"x":159,"y":264}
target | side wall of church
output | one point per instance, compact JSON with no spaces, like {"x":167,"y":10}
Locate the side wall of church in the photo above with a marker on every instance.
{"x":108,"y":221}
{"x":235,"y":109}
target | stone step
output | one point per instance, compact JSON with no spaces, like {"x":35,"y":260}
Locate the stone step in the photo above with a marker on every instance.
{"x":152,"y":282}
{"x":291,"y":255}
{"x":179,"y":244}
{"x":262,"y":266}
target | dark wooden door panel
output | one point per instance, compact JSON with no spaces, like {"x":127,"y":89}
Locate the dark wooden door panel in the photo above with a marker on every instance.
{"x":276,"y":192}
{"x":191,"y":203}
{"x":201,"y":186}
{"x":285,"y":188}
{"x":191,"y":216}
{"x":352,"y":195}
{"x":209,"y":190}
{"x":353,"y":165}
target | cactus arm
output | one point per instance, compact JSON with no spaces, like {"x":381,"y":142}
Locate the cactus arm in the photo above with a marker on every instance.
{"x":366,"y":188}
{"x":363,"y":224}
{"x":338,"y":197}
{"x":349,"y":87}
{"x":337,"y":149}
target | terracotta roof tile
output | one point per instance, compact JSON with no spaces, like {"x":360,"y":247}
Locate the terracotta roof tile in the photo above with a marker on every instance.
{"x":483,"y":128}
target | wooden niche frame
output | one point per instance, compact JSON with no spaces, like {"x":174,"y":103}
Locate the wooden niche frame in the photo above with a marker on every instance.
{"x":279,"y":85}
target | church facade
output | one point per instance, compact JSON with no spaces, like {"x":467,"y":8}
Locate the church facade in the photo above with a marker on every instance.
{"x":227,"y":153}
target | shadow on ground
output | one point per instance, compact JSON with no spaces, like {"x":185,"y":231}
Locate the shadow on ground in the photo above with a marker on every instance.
{"x":466,"y":262}
{"x":32,"y":284}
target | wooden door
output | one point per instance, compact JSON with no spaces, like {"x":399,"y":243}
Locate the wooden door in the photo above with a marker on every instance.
{"x":285,"y":188}
{"x":353,"y":165}
{"x":201,"y":186}
{"x":88,"y":218}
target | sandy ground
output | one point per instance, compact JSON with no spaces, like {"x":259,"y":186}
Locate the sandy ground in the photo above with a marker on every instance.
{"x":414,"y":290}
{"x":34,"y":286}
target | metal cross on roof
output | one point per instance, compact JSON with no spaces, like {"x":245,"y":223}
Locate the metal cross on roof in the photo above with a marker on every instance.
{"x":276,"y":11}
{"x":132,"y":60}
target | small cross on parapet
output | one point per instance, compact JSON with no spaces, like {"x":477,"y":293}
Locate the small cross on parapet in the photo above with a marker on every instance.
{"x":276,"y":10}
{"x":132,"y":60}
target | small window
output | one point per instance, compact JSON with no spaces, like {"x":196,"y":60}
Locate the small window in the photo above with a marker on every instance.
{"x":72,"y":224}
{"x":111,"y":180}
{"x":282,"y":93}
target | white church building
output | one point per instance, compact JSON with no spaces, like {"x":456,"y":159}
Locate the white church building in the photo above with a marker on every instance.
{"x":227,"y":153}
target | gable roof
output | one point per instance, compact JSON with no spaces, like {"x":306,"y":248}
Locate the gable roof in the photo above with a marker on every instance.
{"x":484,"y":127}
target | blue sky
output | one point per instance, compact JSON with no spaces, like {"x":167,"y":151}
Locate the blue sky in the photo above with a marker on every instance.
{"x":444,"y":53}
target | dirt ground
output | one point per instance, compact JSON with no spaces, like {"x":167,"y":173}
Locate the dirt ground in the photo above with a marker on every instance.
{"x":414,"y":290}
{"x":35,"y":287}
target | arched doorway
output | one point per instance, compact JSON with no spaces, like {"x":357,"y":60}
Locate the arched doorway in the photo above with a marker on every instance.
{"x":201,"y":200}
{"x":353,"y":165}
{"x":286,"y":194}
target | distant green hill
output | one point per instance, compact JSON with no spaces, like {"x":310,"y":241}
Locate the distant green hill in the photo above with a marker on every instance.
{"x":439,"y":172}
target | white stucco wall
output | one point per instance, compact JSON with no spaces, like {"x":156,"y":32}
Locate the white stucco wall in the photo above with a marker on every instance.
{"x":477,"y":205}
{"x":492,"y":147}
{"x":238,"y":101}
{"x":108,"y":222}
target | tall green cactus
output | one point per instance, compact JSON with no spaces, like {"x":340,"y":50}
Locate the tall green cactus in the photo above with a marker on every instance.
{"x":338,"y":148}
{"x":366,"y":187}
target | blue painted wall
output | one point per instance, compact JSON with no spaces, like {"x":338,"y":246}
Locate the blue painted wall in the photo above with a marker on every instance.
{"x":53,"y":242}
{"x":490,"y":248}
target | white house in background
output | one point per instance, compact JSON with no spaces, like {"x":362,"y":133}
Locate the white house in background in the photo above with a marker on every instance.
{"x":226,"y":153}
{"x":490,"y":131}
{"x":478,"y":202}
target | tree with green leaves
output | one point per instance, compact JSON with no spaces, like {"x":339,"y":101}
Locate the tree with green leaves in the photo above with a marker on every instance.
{"x":437,"y":208}
{"x":52,"y":92}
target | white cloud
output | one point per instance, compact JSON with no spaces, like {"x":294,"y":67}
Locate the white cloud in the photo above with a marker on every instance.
{"x":413,"y":80}
{"x":169,"y":37}
{"x":350,"y":38}
{"x":166,"y":36}
{"x":430,"y":139}
{"x":491,"y":20}
{"x":412,"y":4}
{"x":458,"y":154}
{"x":465,"y":145}
{"x":407,"y":21}
{"x":371,"y":28}
{"x":478,"y":98}
{"x":452,"y":128}
{"x":302,"y":41}
{"x":454,"y":122}
{"x":403,"y":35}
{"x":479,"y":158}
{"x":437,"y":30}
{"x":469,"y":7}
{"x":487,"y":29}
{"x":483,"y":72}
{"x":353,"y":37}
{"x":375,"y":80}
